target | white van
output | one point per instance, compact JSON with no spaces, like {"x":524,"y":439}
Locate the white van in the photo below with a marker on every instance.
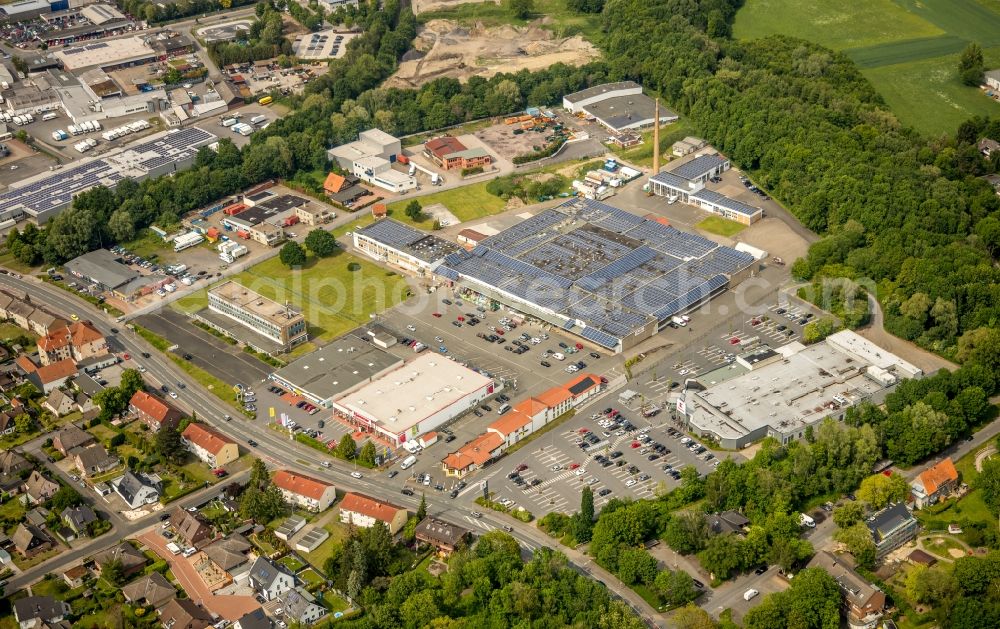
{"x":749,"y":594}
{"x":503,"y":409}
{"x":558,"y":356}
{"x":408,"y":462}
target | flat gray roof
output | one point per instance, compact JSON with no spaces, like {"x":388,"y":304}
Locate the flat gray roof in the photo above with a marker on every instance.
{"x":621,"y":112}
{"x":337,"y":367}
{"x":698,"y":166}
{"x":597,"y":90}
{"x":103,"y":267}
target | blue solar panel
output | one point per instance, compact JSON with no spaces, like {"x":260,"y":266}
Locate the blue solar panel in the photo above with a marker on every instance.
{"x":601,"y":338}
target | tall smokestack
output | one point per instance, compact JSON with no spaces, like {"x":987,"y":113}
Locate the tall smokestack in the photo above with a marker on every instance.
{"x":656,"y":137}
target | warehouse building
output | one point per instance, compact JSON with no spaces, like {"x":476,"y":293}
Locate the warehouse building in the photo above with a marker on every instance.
{"x":273,"y":327}
{"x":338,"y":368}
{"x":781,"y":393}
{"x":414,"y":398}
{"x":125,"y":52}
{"x":618,"y":106}
{"x":604,"y":274}
{"x":41,"y":197}
{"x":402,"y":246}
{"x":686,"y":182}
{"x":24,"y":10}
{"x":370,"y":158}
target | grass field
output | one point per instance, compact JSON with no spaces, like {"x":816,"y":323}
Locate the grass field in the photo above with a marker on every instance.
{"x":721,"y":226}
{"x":562,"y":20}
{"x":837,"y":25}
{"x":466,"y":203}
{"x":908,"y":49}
{"x":335,"y":294}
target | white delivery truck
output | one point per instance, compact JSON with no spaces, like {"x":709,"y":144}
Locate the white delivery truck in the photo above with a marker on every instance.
{"x":50,"y":115}
{"x":228,"y":122}
{"x":678,"y":321}
{"x":408,"y":462}
{"x":258,"y":119}
{"x":807,"y":521}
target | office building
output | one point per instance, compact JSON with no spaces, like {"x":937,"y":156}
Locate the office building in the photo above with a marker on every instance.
{"x":395,"y":244}
{"x":276,"y":326}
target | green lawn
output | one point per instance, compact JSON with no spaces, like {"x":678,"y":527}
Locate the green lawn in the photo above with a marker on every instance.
{"x":642,"y":155}
{"x":293,"y":563}
{"x":721,"y":226}
{"x":337,"y":535}
{"x":465,"y":202}
{"x":102,"y":432}
{"x":200,"y":472}
{"x":969,"y":509}
{"x":333,"y":602}
{"x":11,"y":331}
{"x":335,"y":294}
{"x":147,"y":244}
{"x":941,"y":546}
{"x":7,"y":260}
{"x":838,"y":25}
{"x":908,"y":49}
{"x":311,"y":577}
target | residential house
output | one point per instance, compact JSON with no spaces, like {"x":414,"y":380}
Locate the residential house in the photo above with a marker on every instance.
{"x":38,"y":612}
{"x":137,"y":489}
{"x":37,"y":489}
{"x":71,"y":437}
{"x":313,"y":214}
{"x":153,"y":411}
{"x":75,"y":576}
{"x":269,"y":579}
{"x":183,"y":613}
{"x":94,"y":459}
{"x":363,"y":511}
{"x":190,"y":527}
{"x":728,"y":522}
{"x":29,"y":540}
{"x":153,"y":590}
{"x":12,"y":466}
{"x":210,"y":445}
{"x":19,"y":311}
{"x":300,"y":606}
{"x":344,"y":189}
{"x":934,"y":483}
{"x":49,"y":377}
{"x":304,"y":491}
{"x":229,"y":553}
{"x":445,"y":537}
{"x":78,"y":518}
{"x":7,"y":424}
{"x":256,"y":619}
{"x":131,"y":559}
{"x":38,"y":516}
{"x":891,"y":528}
{"x":42,"y":322}
{"x":863,"y":603}
{"x":59,"y":403}
{"x":987,"y":146}
{"x":79,"y":341}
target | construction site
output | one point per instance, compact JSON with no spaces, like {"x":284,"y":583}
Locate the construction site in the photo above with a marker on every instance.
{"x":524,"y":134}
{"x":443,"y":48}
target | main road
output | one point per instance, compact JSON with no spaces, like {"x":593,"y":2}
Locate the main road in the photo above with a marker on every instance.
{"x":277,"y":451}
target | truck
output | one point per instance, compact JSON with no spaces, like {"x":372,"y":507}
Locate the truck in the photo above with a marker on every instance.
{"x":258,"y":119}
{"x":91,"y":142}
{"x":177,"y":268}
{"x":170,"y":287}
{"x":228,"y":122}
{"x":232,"y":254}
{"x":50,"y":115}
{"x":267,"y":100}
{"x":290,"y":220}
{"x":435,"y":179}
{"x":98,"y":127}
{"x":243,"y":128}
{"x":403,"y":159}
{"x":678,"y":321}
{"x":187,"y":241}
{"x":413,"y":170}
{"x":806,"y":521}
{"x":59,"y":135}
{"x":73,"y":129}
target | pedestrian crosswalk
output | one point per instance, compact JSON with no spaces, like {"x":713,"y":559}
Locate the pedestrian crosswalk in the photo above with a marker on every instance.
{"x":487,"y":527}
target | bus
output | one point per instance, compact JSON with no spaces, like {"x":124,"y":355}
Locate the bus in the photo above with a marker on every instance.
{"x":265,"y":101}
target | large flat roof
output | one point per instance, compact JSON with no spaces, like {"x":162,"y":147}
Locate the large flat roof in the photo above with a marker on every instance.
{"x":104,"y":52}
{"x":254,"y":302}
{"x":400,"y":399}
{"x":103,"y":267}
{"x":621,"y":112}
{"x":337,"y":367}
{"x":786,"y":395}
{"x":414,"y":242}
{"x":597,"y":90}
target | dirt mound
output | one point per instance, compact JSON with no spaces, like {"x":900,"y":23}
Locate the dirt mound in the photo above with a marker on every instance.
{"x":423,"y":6}
{"x":460,"y":52}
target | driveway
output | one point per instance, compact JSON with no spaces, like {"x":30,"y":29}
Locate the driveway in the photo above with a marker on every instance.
{"x":228,"y":607}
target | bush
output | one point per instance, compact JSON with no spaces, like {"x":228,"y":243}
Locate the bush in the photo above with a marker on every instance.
{"x":472,"y":171}
{"x":523,"y":515}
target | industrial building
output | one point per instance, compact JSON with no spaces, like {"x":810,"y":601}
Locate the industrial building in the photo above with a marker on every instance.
{"x":338,"y":368}
{"x":41,"y":197}
{"x":780,"y":393}
{"x":414,"y":398}
{"x":601,"y":273}
{"x":125,"y":52}
{"x":80,"y":23}
{"x":274,"y":327}
{"x":25,"y":10}
{"x":618,"y":106}
{"x":448,"y":153}
{"x":402,"y":246}
{"x":107,"y":272}
{"x":686,"y":182}
{"x":370,"y":158}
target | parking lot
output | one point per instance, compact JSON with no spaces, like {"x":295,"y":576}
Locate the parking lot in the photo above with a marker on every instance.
{"x":615,"y":463}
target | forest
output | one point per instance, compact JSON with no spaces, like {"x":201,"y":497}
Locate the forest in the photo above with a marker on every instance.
{"x":264,"y":40}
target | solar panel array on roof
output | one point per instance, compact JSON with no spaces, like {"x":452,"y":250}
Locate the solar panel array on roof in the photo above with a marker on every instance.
{"x":57,"y":190}
{"x":610,"y":276}
{"x":392,"y":233}
{"x":723,"y":201}
{"x":699,"y":166}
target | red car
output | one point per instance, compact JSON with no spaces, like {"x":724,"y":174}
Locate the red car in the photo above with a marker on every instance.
{"x":126,"y":356}
{"x":522,"y":467}
{"x":436,"y":315}
{"x":635,"y":444}
{"x":499,"y":331}
{"x":583,"y":431}
{"x":734,"y":341}
{"x":460,"y":318}
{"x":219,"y":472}
{"x":573,"y":466}
{"x":579,"y":345}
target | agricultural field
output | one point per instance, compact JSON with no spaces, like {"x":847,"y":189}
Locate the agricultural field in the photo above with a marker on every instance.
{"x":908,"y":49}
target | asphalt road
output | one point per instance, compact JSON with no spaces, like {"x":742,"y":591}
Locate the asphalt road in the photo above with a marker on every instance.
{"x":278,"y":451}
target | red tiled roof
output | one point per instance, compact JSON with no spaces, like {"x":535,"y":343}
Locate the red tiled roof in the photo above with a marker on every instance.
{"x":934,"y":477}
{"x":334,"y":183}
{"x":54,"y":340}
{"x":379,"y":209}
{"x":445,"y":145}
{"x":473,"y":235}
{"x":25,"y":364}
{"x":476,"y":452}
{"x":556,"y":395}
{"x":82,"y":332}
{"x":531,"y":406}
{"x":57,"y":370}
{"x":510,"y":422}
{"x":150,"y":405}
{"x":299,"y":484}
{"x":206,"y":438}
{"x":366,"y":505}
